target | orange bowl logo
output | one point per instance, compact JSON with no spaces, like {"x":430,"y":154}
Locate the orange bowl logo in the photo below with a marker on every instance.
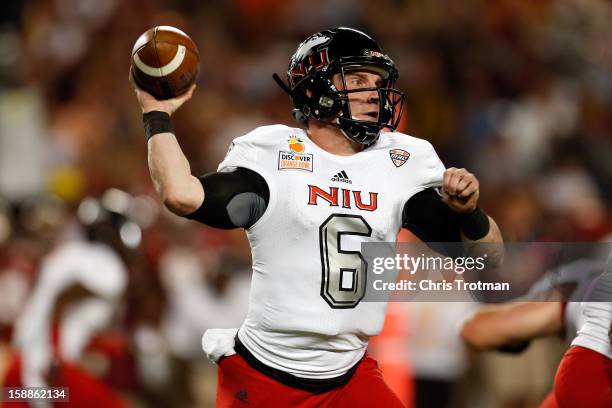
{"x":296,"y":144}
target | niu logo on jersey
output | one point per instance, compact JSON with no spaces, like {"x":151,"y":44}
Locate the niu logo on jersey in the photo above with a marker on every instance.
{"x":337,"y":196}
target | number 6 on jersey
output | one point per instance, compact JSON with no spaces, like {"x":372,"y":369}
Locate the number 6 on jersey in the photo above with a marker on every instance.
{"x":344,"y":272}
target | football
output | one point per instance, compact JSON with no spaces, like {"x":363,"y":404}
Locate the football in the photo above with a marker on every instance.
{"x":165,"y":62}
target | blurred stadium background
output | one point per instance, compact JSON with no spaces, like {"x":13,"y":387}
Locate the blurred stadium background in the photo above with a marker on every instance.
{"x":517,"y":91}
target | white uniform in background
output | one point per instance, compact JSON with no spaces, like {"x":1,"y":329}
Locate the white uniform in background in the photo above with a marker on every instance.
{"x":436,"y":351}
{"x":583,"y":274}
{"x":305,"y":313}
{"x":193,"y":306}
{"x":91,"y":265}
{"x":596,"y":315}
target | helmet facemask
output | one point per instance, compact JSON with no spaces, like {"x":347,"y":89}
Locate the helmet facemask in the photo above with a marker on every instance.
{"x":323,"y":101}
{"x":390,"y":105}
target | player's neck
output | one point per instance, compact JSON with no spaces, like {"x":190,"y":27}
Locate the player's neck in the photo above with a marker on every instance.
{"x":331,"y":139}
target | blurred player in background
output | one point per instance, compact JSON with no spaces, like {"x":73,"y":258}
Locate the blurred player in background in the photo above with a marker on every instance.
{"x":584,"y":377}
{"x":510,"y":327}
{"x":584,"y":324}
{"x":307,"y":200}
{"x":75,"y":297}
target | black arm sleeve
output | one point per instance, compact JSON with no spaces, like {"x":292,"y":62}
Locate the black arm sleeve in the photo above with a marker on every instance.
{"x":430,"y":219}
{"x":234,"y":199}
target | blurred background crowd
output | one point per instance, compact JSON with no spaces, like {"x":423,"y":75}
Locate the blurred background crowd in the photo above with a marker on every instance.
{"x":516,"y":91}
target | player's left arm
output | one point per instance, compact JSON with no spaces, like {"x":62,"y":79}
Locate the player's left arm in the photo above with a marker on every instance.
{"x":451,"y":214}
{"x":460,"y":192}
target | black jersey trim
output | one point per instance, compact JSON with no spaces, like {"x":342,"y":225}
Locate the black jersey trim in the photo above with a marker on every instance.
{"x":312,"y":385}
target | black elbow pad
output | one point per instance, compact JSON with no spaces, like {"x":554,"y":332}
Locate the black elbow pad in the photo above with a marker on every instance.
{"x":233,"y":199}
{"x":430,"y":219}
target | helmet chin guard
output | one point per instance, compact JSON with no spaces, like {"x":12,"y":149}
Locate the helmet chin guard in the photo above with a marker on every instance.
{"x":314,"y":95}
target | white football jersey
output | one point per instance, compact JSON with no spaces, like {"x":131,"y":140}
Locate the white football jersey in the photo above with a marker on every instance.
{"x":305,"y":312}
{"x":595,"y":319}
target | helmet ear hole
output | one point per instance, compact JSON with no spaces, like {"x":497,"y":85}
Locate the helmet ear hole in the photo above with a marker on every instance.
{"x":326,"y":102}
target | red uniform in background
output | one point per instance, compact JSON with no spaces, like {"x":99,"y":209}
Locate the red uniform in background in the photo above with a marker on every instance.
{"x":74,"y":298}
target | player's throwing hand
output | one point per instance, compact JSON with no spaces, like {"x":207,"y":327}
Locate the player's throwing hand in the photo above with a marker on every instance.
{"x":460,"y":190}
{"x":148,"y":102}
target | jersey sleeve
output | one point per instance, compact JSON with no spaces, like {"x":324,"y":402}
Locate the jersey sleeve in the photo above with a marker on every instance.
{"x":104,"y":274}
{"x":237,"y":195}
{"x":94,"y":266}
{"x":424,"y":213}
{"x":243,"y":152}
{"x":423,"y":171}
{"x":432,"y":168}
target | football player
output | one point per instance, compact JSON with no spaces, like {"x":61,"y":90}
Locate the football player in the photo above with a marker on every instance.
{"x":585,"y":321}
{"x":308,"y":197}
{"x":509,"y":327}
{"x":590,"y":352}
{"x":76,"y":296}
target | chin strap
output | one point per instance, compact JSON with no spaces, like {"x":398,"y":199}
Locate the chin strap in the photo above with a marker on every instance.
{"x":289,"y":91}
{"x":353,"y":131}
{"x":300,"y":117}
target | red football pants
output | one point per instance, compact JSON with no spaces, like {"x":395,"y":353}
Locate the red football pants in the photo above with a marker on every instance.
{"x":239,"y":385}
{"x":584,"y":379}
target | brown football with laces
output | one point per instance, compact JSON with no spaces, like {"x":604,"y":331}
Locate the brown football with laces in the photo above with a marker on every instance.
{"x":165,"y":62}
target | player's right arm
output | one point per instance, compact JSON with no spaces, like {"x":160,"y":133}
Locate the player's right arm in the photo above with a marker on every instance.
{"x":498,"y":326}
{"x":178,"y":189}
{"x":233,"y":199}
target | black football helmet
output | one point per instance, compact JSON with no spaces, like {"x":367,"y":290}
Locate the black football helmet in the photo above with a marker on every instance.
{"x":338,"y":51}
{"x":109,"y":220}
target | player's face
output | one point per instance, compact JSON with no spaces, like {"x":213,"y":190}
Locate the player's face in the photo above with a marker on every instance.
{"x":364,"y":105}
